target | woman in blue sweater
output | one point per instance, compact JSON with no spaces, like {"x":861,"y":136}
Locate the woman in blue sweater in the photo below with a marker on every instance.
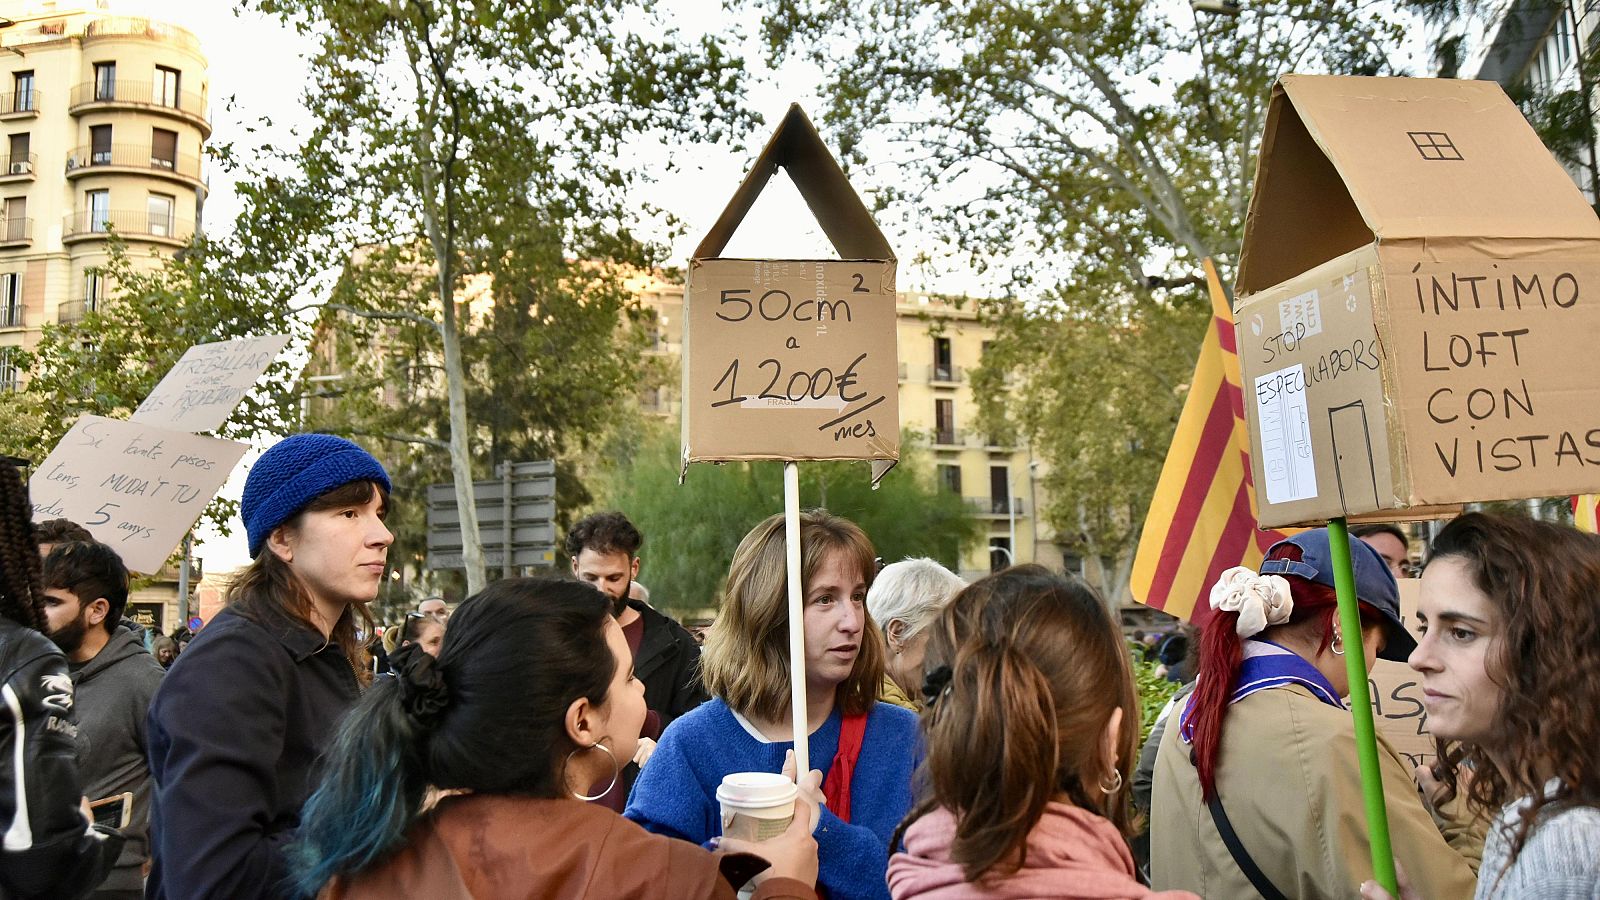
{"x":865,"y":750}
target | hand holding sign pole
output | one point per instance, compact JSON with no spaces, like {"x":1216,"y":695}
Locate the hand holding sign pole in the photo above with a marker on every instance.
{"x":793,"y":359}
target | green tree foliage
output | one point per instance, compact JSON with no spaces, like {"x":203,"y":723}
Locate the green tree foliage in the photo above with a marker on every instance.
{"x":1086,"y":145}
{"x":487,"y":139}
{"x":692,"y":529}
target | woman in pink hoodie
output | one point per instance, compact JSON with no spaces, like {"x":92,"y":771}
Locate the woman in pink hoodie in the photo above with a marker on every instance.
{"x":1031,"y":725}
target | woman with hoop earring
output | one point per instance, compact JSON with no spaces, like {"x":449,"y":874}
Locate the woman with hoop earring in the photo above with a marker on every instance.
{"x":1257,"y":785}
{"x":531,"y":702}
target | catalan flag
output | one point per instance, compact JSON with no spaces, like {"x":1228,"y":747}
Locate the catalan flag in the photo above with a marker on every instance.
{"x":1202,"y":518}
{"x":1586,"y":512}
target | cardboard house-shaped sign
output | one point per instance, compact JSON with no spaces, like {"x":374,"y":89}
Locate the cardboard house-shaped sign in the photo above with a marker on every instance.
{"x":1419,"y":303}
{"x":793,"y":359}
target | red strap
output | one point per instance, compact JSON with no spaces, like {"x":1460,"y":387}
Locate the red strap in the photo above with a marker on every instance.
{"x":836,"y":788}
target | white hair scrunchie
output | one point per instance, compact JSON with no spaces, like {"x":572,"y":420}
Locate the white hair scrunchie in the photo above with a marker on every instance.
{"x":1260,"y":600}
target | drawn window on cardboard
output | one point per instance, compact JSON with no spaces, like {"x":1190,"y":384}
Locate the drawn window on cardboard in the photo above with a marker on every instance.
{"x":1434,"y":145}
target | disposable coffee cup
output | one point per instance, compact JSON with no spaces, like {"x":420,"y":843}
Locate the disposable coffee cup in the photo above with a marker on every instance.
{"x":756,"y":806}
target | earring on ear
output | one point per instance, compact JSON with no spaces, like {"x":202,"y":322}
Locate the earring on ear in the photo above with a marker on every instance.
{"x":616,"y":771}
{"x":1116,"y":782}
{"x":1337,"y":645}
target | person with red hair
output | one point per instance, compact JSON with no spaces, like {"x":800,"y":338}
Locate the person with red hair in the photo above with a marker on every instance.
{"x":1257,"y":788}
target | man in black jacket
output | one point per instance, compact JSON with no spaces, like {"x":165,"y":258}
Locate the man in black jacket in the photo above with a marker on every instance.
{"x":604,"y":549}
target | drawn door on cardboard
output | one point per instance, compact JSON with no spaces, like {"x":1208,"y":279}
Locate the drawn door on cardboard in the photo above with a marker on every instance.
{"x":1354,"y":468}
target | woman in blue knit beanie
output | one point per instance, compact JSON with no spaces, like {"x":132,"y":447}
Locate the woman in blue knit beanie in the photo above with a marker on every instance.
{"x":240,"y":719}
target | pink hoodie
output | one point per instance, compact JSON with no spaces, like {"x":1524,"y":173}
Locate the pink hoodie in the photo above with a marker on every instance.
{"x":1072,"y":853}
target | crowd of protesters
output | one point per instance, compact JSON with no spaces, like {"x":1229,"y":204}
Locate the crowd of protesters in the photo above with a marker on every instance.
{"x":561,"y":737}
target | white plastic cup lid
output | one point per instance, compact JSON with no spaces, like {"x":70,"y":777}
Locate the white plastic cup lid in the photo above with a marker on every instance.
{"x":756,"y":790}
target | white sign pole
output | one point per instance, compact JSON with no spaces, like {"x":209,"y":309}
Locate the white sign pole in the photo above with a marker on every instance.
{"x":797,"y":624}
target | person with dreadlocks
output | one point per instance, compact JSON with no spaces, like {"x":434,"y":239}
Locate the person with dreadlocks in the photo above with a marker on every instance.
{"x":51,"y":848}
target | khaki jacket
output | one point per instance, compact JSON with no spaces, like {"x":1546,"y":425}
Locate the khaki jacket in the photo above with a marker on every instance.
{"x":483,"y":847}
{"x":1289,"y":780}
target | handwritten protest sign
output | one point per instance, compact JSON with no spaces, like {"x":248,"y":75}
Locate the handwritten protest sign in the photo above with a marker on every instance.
{"x":1397,"y":693}
{"x":136,"y":487}
{"x":207,"y":384}
{"x":792,"y":359}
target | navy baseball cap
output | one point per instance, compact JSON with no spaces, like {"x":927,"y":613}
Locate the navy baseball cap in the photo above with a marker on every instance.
{"x":1375,"y":584}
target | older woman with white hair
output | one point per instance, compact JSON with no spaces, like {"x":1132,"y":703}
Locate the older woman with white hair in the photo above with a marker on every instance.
{"x":904,"y":598}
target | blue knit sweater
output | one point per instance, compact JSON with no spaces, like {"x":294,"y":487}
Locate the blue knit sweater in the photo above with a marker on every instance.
{"x":676,"y":793}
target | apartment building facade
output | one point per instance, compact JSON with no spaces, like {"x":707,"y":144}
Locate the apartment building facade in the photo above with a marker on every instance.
{"x":940,"y":343}
{"x":102,"y":124}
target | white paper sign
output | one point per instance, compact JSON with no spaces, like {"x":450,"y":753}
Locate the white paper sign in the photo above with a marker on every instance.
{"x":136,"y":487}
{"x":1285,"y":429}
{"x":206,"y":385}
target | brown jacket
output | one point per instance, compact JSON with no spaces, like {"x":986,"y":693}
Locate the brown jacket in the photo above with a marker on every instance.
{"x":1290,"y":783}
{"x":484,"y":847}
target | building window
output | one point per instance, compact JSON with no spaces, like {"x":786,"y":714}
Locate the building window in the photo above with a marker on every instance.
{"x":999,"y":489}
{"x":163,"y":148}
{"x":22,"y":85}
{"x":166,"y":87}
{"x":158,"y":211}
{"x":105,"y":81}
{"x":942,"y":368}
{"x":999,"y":553}
{"x":97,"y":205}
{"x":94,"y":289}
{"x":17,"y":162}
{"x":944,"y":421}
{"x":16,"y":213}
{"x":10,"y":372}
{"x":100,"y":145}
{"x":10,"y":299}
{"x":950,"y":478}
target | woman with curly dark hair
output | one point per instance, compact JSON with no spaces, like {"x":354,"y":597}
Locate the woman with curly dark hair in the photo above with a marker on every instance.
{"x":1510,"y":663}
{"x":50,"y":848}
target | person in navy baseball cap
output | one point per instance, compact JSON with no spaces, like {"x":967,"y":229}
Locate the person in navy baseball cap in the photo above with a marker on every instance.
{"x":1375,"y":584}
{"x":238,"y":723}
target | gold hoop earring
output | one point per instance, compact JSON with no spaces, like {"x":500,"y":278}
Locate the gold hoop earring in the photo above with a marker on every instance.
{"x":616,"y":771}
{"x":1337,"y":645}
{"x":1116,"y":783}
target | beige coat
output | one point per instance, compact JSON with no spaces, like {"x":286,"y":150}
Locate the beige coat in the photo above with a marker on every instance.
{"x":1290,"y":783}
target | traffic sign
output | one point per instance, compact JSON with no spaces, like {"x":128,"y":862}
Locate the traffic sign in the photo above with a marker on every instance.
{"x":533,"y":556}
{"x":521,"y":535}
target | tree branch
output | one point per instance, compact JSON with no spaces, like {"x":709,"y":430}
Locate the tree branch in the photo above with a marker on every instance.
{"x":380,"y":314}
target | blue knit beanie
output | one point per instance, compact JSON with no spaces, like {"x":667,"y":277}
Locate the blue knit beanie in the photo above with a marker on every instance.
{"x":296,"y":471}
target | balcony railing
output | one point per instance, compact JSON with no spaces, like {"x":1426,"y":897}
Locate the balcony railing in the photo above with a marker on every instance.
{"x":948,"y":437}
{"x":134,"y":26}
{"x":11,"y":315}
{"x":72,"y":311}
{"x":947,"y":374}
{"x":146,"y":94}
{"x":994,"y":506}
{"x":133,"y":156}
{"x":19,"y":166}
{"x":19,"y":103}
{"x":127,"y":223}
{"x":16,"y":231}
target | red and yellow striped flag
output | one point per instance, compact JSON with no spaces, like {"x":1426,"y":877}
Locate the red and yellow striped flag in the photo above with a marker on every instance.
{"x":1586,"y":512}
{"x":1202,"y":518}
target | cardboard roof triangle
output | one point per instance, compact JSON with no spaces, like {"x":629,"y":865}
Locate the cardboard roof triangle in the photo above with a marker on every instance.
{"x":1348,"y":161}
{"x":798,"y":148}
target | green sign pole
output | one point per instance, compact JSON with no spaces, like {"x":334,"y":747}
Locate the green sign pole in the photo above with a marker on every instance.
{"x":1344,"y":582}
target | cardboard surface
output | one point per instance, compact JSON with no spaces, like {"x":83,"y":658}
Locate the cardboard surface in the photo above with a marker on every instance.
{"x":793,"y":359}
{"x":1397,"y":693}
{"x":207,"y":384}
{"x":136,"y":487}
{"x":1412,"y":321}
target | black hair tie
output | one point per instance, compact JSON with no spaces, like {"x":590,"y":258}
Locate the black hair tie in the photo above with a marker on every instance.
{"x":423,"y":692}
{"x":935,"y":684}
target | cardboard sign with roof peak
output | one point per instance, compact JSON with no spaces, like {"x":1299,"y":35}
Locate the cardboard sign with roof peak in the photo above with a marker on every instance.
{"x":1419,"y":290}
{"x":793,"y":359}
